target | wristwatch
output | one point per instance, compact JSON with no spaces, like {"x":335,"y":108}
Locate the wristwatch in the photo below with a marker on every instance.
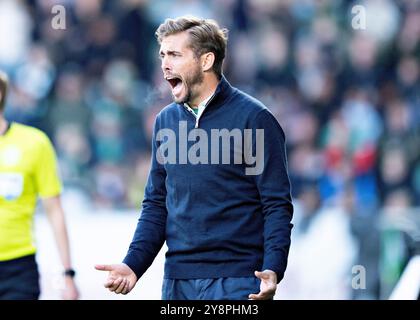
{"x":69,"y":273}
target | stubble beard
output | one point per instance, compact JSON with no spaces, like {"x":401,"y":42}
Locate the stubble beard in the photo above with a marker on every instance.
{"x":192,"y":80}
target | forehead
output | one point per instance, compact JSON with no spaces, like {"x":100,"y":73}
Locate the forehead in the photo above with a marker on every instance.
{"x":175,"y":42}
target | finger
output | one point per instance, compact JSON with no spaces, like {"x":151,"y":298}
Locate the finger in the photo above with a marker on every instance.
{"x":253,"y":296}
{"x":116,"y":284}
{"x":121,"y":287}
{"x":109,"y":282}
{"x":126,"y":288}
{"x":259,"y":296}
{"x":266,"y":293}
{"x":104,"y":267}
{"x":262,"y":275}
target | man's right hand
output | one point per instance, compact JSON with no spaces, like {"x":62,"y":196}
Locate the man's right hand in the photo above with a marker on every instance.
{"x":121,"y":279}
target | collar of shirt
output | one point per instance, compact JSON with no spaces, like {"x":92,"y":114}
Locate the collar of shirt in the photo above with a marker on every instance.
{"x":201,"y":106}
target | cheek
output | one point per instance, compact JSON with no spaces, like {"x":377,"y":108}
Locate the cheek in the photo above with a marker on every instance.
{"x":182,"y":67}
{"x":186,"y":67}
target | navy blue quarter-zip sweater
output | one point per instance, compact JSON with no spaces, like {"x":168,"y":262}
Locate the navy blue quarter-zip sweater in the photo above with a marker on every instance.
{"x":217,"y":220}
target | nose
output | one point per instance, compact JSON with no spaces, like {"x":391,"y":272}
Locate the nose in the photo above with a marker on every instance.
{"x":165,"y":64}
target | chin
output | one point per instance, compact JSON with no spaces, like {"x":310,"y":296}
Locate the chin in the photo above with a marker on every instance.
{"x":181,"y":100}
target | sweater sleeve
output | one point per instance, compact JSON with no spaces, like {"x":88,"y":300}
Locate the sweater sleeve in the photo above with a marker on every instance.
{"x":274,"y":189}
{"x":149,"y":235}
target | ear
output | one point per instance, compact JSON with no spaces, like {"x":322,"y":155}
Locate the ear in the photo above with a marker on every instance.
{"x":207,"y":61}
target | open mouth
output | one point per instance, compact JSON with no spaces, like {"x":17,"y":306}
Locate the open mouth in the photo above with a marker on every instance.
{"x":176,"y":84}
{"x":174,"y":81}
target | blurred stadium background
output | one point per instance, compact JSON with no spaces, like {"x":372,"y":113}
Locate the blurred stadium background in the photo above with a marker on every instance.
{"x":348,"y":100}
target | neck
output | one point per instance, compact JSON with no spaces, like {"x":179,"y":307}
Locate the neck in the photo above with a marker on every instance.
{"x":3,"y":125}
{"x":205,"y":89}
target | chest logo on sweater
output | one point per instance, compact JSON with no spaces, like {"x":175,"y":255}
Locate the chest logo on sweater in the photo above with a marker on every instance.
{"x":221,"y":146}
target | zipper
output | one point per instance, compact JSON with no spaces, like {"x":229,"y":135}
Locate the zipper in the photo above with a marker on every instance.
{"x":192,"y":112}
{"x":197,"y":120}
{"x":197,"y":117}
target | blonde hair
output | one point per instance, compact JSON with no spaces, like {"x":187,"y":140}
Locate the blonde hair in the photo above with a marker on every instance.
{"x":205,"y":36}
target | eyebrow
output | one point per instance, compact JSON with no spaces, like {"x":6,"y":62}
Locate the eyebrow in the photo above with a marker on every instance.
{"x":169,"y":52}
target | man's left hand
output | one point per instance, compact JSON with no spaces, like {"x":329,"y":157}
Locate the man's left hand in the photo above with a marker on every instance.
{"x":268,"y":285}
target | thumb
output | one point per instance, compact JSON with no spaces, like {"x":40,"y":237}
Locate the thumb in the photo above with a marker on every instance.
{"x":261,"y":275}
{"x":104,"y":267}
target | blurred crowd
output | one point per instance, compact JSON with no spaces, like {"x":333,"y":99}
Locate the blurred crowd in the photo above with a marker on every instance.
{"x":348,"y":100}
